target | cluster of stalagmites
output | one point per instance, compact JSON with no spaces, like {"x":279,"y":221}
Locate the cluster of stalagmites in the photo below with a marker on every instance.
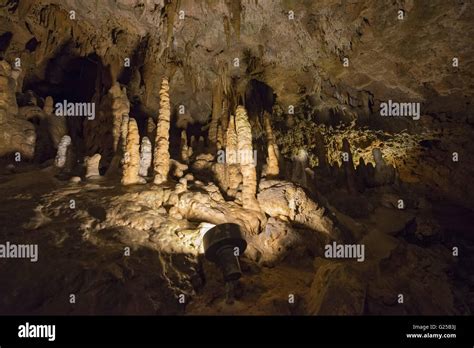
{"x":226,"y":162}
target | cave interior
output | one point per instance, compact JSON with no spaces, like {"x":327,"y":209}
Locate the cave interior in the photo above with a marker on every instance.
{"x":336,"y":134}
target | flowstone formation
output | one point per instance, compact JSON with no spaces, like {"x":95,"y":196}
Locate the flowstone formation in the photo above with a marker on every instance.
{"x":128,"y":132}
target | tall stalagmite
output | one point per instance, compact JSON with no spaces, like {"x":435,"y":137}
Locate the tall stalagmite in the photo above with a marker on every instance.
{"x":161,"y":156}
{"x":273,"y":169}
{"x":120,"y":107}
{"x":232,"y":170}
{"x":131,"y":165}
{"x":245,"y":157}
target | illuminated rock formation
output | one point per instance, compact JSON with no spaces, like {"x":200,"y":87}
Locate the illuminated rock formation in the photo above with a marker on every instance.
{"x":92,"y":166}
{"x":120,"y":107}
{"x":233,"y":177}
{"x":298,"y":167}
{"x":161,"y":156}
{"x":273,"y":169}
{"x":145,"y":157}
{"x":384,"y":173}
{"x":285,"y":199}
{"x":16,"y":134}
{"x":245,"y":154}
{"x":61,"y":156}
{"x":124,"y":133}
{"x":131,"y":163}
{"x":178,"y":168}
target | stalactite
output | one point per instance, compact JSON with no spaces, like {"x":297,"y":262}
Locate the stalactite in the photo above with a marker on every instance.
{"x":235,"y":9}
{"x":171,"y":9}
{"x":273,"y":169}
{"x":245,"y":154}
{"x":161,"y":156}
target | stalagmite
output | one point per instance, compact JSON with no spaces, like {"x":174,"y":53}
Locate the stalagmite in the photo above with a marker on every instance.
{"x":247,"y":166}
{"x":184,"y":152}
{"x":124,"y":133}
{"x":145,"y":157}
{"x":232,"y":170}
{"x":118,"y":158}
{"x":92,"y":166}
{"x":193,"y":142}
{"x":48,"y":107}
{"x":348,"y":165}
{"x":224,"y":120}
{"x":298,"y":167}
{"x":231,"y":142}
{"x":384,"y":174}
{"x":120,"y":107}
{"x":61,"y":156}
{"x":361,"y":172}
{"x":321,"y":151}
{"x":16,"y":134}
{"x":220,"y":138}
{"x":273,"y":169}
{"x":161,"y":155}
{"x":57,"y":127}
{"x":131,"y":165}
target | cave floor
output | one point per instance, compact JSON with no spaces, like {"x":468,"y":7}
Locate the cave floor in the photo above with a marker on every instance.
{"x":83,"y":231}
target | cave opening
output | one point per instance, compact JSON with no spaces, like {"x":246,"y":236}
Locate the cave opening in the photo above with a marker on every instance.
{"x":67,"y":78}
